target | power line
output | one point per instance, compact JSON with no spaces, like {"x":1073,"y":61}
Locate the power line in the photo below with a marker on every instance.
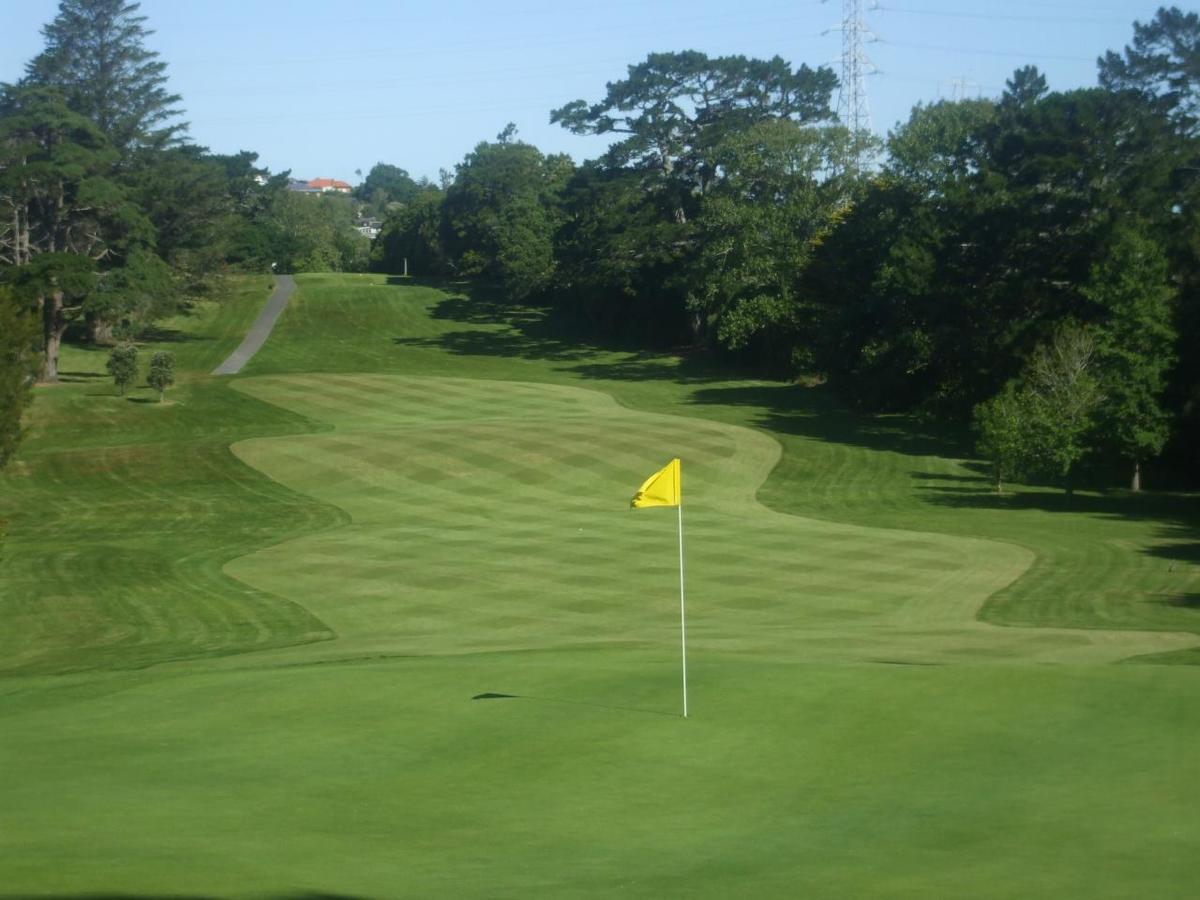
{"x":996,"y":16}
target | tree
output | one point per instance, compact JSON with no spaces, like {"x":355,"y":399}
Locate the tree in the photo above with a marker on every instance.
{"x":501,"y":214}
{"x":1162,"y":64}
{"x":675,"y":107}
{"x":1001,"y":426}
{"x":95,"y":55}
{"x":1041,"y":423}
{"x":385,"y":185}
{"x":122,"y":365}
{"x":68,"y":213}
{"x":755,"y":230}
{"x":162,"y":372}
{"x":18,"y":366}
{"x":1063,"y":396}
{"x":411,"y":237}
{"x":130,"y":297}
{"x":314,"y":233}
{"x":1135,"y":343}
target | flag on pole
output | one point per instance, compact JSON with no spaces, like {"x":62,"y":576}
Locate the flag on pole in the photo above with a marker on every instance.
{"x":660,"y":489}
{"x":663,"y":489}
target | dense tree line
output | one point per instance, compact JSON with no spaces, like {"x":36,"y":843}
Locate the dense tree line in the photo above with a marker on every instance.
{"x":1030,"y":262}
{"x":110,"y":218}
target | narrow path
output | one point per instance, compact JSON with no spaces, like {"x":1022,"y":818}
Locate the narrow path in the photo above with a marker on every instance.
{"x":285,"y":285}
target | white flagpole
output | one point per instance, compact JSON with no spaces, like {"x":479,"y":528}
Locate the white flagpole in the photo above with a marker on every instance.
{"x":682,"y":615}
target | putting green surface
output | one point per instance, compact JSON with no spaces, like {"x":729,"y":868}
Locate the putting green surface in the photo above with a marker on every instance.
{"x":241,"y":633}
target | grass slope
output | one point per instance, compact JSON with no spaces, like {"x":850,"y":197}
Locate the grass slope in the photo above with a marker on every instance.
{"x":421,"y":505}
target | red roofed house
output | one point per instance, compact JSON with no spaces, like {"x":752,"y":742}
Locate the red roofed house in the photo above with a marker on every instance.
{"x":325,"y":185}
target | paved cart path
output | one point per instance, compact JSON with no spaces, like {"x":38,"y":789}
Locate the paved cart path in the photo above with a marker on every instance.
{"x":285,"y":285}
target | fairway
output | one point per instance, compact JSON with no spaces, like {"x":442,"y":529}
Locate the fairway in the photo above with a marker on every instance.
{"x":241,"y":634}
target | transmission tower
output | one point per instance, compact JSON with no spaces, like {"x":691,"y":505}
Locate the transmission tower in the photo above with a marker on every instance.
{"x":852,"y":106}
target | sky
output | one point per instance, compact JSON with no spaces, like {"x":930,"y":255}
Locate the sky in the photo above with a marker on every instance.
{"x":328,"y":89}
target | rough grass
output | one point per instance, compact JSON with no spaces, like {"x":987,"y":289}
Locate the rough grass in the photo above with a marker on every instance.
{"x":242,"y":632}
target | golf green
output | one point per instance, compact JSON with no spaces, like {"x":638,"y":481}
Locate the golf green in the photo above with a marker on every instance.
{"x":374,"y":619}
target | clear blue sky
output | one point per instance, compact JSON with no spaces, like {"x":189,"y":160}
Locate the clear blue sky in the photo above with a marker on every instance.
{"x":326,"y":88}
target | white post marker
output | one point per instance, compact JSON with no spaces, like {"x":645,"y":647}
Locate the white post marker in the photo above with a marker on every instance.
{"x":663,"y":489}
{"x":682,"y":612}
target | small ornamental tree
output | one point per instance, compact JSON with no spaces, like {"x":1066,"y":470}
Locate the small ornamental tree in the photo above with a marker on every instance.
{"x":162,"y":372}
{"x":122,"y":366}
{"x":1001,"y":426}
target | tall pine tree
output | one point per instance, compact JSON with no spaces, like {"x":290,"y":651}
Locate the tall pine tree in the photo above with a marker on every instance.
{"x":95,"y":55}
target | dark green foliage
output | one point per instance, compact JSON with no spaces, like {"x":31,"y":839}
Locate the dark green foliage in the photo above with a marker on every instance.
{"x":1163,"y":64}
{"x":130,"y":297}
{"x":122,"y":365}
{"x":18,"y":367}
{"x":501,"y":212}
{"x":162,"y":372}
{"x":1041,"y":425}
{"x":411,"y":238}
{"x":676,"y":107}
{"x":313,"y":233}
{"x":1135,"y":343}
{"x":95,"y":55}
{"x":387,"y":186}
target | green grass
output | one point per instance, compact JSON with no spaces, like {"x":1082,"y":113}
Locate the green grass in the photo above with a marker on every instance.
{"x":241,"y":633}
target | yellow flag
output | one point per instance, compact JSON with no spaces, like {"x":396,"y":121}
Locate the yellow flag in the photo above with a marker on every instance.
{"x":660,"y":489}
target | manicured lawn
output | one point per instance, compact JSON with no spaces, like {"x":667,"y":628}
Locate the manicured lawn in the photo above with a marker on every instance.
{"x":241,"y":633}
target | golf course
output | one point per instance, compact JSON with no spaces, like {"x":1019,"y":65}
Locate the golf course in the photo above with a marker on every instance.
{"x":373,"y":618}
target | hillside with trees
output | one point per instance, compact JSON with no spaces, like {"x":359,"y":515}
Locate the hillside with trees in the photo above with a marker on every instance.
{"x":932,"y":273}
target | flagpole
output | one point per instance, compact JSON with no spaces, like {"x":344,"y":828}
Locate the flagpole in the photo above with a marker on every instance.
{"x":682,"y":614}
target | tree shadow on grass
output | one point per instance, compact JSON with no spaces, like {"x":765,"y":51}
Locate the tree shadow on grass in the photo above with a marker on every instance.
{"x":156,"y":334}
{"x":492,"y":695}
{"x":500,"y":328}
{"x":116,"y":895}
{"x":814,"y":412}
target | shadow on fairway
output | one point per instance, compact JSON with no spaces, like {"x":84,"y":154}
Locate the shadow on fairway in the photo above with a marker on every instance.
{"x":74,"y":377}
{"x":814,"y":412}
{"x":544,"y":333}
{"x":154,"y":334}
{"x":293,"y":895}
{"x":489,"y":695}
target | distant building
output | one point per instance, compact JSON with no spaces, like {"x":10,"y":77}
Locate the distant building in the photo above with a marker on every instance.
{"x":369,"y":228}
{"x":320,"y":186}
{"x":326,"y":185}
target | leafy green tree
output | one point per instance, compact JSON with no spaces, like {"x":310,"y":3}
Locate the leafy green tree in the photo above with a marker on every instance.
{"x":1042,"y":423}
{"x":1002,"y":428}
{"x":162,"y":372}
{"x":501,"y":214}
{"x":939,"y":144}
{"x":314,"y":233}
{"x":186,"y":196}
{"x":18,"y":366}
{"x":674,"y":108}
{"x":130,"y":297}
{"x":95,"y":54}
{"x":1135,"y":342}
{"x":619,"y":251}
{"x":411,"y":237}
{"x":58,"y":286}
{"x":1064,"y":396}
{"x":756,"y":228}
{"x":68,"y":213}
{"x":1162,"y":64}
{"x":122,"y":365}
{"x":385,"y":185}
